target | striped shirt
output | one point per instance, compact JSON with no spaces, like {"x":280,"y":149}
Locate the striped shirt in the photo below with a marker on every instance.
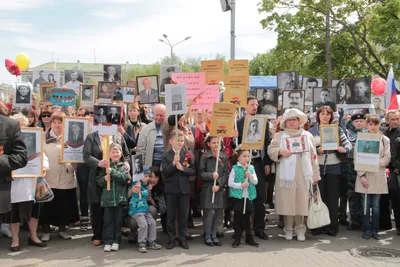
{"x":158,"y":147}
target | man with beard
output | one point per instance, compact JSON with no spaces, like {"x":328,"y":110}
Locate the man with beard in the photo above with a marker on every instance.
{"x":296,"y":99}
{"x":262,"y":165}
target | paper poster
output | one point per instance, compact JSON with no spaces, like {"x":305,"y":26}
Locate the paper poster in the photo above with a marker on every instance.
{"x":176,"y":99}
{"x":223,"y":118}
{"x":367,"y":152}
{"x":236,"y":90}
{"x":238,"y":67}
{"x":214,"y":70}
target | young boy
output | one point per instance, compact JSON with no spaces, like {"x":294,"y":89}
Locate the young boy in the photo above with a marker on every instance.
{"x":139,"y":211}
{"x":177,"y":167}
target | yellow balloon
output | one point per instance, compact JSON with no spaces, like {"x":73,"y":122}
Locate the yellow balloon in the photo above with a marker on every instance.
{"x":22,"y":61}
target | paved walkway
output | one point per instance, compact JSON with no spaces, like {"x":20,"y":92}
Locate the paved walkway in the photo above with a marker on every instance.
{"x":321,"y":251}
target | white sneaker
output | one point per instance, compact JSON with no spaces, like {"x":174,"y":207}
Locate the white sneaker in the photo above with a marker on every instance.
{"x":301,"y":237}
{"x":115,"y":247}
{"x":289,"y":235}
{"x":5,"y":230}
{"x":107,"y":248}
{"x":45,"y":237}
{"x":64,"y":235}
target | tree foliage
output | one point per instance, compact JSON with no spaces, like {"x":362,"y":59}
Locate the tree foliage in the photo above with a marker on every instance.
{"x":364,"y":36}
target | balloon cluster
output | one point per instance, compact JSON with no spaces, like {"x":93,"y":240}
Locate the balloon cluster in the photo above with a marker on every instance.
{"x":22,"y":62}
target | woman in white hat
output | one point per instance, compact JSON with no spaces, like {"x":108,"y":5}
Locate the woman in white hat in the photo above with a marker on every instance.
{"x":293,"y":184}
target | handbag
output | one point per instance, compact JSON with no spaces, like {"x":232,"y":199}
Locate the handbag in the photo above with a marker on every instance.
{"x":43,"y":191}
{"x":318,"y":213}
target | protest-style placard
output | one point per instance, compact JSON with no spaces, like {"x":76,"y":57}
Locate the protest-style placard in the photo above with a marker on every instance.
{"x":75,"y":131}
{"x":223,"y":118}
{"x":236,"y":90}
{"x":238,"y":67}
{"x":367,"y":151}
{"x":214,"y":70}
{"x":176,"y":99}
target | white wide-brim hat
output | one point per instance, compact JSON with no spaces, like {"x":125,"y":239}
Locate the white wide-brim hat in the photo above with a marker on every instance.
{"x":293,"y":113}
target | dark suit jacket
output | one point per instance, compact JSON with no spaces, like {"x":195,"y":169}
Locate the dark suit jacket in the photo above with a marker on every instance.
{"x":19,"y":100}
{"x":152,"y":98}
{"x":115,"y":120}
{"x":176,"y":181}
{"x":92,"y":155}
{"x":13,"y":156}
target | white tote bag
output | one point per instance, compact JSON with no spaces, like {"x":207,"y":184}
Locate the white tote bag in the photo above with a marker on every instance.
{"x":318,"y":213}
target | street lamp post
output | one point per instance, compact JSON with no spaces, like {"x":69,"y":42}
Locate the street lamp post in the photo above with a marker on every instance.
{"x":171,"y":45}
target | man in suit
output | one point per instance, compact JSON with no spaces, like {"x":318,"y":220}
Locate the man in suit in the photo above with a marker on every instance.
{"x":262,"y":165}
{"x":138,"y":165}
{"x":100,"y":117}
{"x":87,"y":94}
{"x":170,"y":70}
{"x":148,"y":95}
{"x":325,"y":100}
{"x":13,"y":156}
{"x":75,"y":133}
{"x":23,"y":95}
{"x":114,"y":117}
{"x":39,"y":80}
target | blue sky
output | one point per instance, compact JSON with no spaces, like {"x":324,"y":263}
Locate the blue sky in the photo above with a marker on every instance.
{"x":125,"y":30}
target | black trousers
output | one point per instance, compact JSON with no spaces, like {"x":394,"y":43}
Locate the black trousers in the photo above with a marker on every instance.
{"x":241,"y":222}
{"x":395,"y":199}
{"x":384,"y":219}
{"x":329,"y":187}
{"x":177,"y":203}
{"x":259,"y":208}
{"x":97,"y":220}
{"x":343,"y":198}
{"x":112,"y":224}
{"x":82,"y":176}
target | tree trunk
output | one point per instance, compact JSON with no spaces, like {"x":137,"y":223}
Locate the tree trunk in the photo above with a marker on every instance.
{"x":328,"y":43}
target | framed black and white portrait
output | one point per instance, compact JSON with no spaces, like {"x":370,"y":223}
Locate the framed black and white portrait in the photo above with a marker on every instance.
{"x":46,"y":91}
{"x":73,"y":79}
{"x":166,"y":72}
{"x":23,"y":95}
{"x":112,"y":74}
{"x":308,"y":85}
{"x":287,"y":80}
{"x":117,"y":93}
{"x":254,"y":132}
{"x":128,"y":94}
{"x":75,"y":131}
{"x":175,"y":99}
{"x":329,"y":136}
{"x":360,"y":91}
{"x":342,"y":91}
{"x":137,"y":167}
{"x":107,"y":114}
{"x":46,"y":76}
{"x":293,"y":99}
{"x":378,"y":101}
{"x":267,"y":102}
{"x":34,"y":142}
{"x":87,"y":95}
{"x":148,"y":89}
{"x":105,"y":92}
{"x":324,"y":97}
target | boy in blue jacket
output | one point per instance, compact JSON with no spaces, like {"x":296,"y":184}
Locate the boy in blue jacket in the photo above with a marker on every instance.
{"x":139,"y":211}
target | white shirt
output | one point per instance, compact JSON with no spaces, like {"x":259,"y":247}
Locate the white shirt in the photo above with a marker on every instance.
{"x":231,"y":181}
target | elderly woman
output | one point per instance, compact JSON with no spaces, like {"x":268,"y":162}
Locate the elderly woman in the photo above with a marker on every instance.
{"x":293,"y":184}
{"x":63,"y":209}
{"x":23,"y":209}
{"x":330,"y":167}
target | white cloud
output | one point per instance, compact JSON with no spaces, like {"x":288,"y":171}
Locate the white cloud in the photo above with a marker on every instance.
{"x":108,"y":14}
{"x":15,"y":26}
{"x":7,"y":5}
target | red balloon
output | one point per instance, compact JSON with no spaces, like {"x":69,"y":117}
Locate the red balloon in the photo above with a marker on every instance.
{"x":12,"y":67}
{"x":378,"y":86}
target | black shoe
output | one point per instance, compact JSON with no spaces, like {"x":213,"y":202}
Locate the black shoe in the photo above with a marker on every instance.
{"x":191,"y":225}
{"x":236,"y":243}
{"x":398,"y":232}
{"x":220,"y":234}
{"x":189,"y":237}
{"x":196,"y":214}
{"x":353,"y":226}
{"x":170,"y":245}
{"x":331,"y":232}
{"x":217,"y":242}
{"x":250,"y":241}
{"x":208,"y":242}
{"x":183,"y":244}
{"x":15,"y":249}
{"x":261,"y":235}
{"x":228,"y":224}
{"x":344,"y":222}
{"x":40,"y":244}
{"x":315,"y":232}
{"x":267,"y":212}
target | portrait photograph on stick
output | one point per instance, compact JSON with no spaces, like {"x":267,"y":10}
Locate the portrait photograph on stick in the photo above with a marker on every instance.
{"x":308,"y":85}
{"x":73,"y":79}
{"x":342,"y":91}
{"x":107,"y":114}
{"x":287,"y":80}
{"x":267,"y":102}
{"x":378,"y":101}
{"x":112,"y":73}
{"x":324,"y":97}
{"x":137,"y":167}
{"x":166,"y":72}
{"x":128,"y":94}
{"x":329,"y":137}
{"x":360,"y":92}
{"x":293,"y":99}
{"x":34,"y":142}
{"x":117,"y":93}
{"x":254,"y":132}
{"x":367,"y":152}
{"x":87,"y":95}
{"x":46,"y":76}
{"x":75,"y":131}
{"x":105,"y":92}
{"x":23,"y":95}
{"x":45,"y":92}
{"x":175,"y":99}
{"x":148,"y":89}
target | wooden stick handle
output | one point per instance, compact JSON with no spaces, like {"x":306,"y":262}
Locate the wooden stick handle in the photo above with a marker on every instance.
{"x":216,"y":166}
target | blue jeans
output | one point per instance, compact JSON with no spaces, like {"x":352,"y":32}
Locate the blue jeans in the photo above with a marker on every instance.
{"x":372,"y":202}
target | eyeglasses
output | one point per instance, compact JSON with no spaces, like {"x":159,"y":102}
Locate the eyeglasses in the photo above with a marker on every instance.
{"x":46,"y":116}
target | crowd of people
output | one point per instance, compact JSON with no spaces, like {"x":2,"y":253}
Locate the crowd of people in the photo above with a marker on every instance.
{"x":185,"y":176}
